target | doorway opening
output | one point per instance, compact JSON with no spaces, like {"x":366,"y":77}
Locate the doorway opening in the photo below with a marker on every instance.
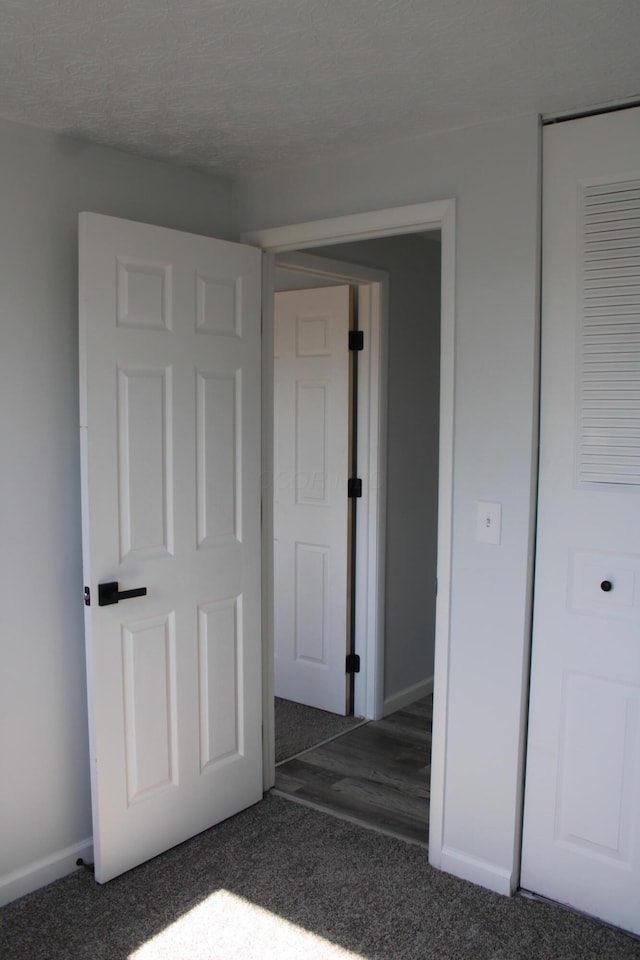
{"x":323,"y":292}
{"x":322,"y":234}
{"x":418,"y":218}
{"x":317,"y":698}
{"x":378,"y":775}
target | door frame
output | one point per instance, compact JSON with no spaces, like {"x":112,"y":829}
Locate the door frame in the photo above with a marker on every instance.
{"x":373,"y":295}
{"x":394,"y":221}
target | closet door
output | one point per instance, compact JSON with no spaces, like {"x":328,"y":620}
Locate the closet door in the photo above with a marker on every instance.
{"x":581,"y":842}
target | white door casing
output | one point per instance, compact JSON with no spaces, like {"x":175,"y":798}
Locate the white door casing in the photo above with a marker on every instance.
{"x":581,"y":841}
{"x":415,"y":218}
{"x":311,"y":470}
{"x":170,"y":439}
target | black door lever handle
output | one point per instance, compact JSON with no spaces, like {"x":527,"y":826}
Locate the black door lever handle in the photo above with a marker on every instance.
{"x":108,"y":593}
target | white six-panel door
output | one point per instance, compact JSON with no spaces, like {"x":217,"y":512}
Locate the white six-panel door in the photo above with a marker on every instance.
{"x":311,"y":464}
{"x":170,"y":432}
{"x":581,"y":840}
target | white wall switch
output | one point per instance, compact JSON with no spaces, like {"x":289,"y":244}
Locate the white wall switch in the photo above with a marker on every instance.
{"x":488,"y":522}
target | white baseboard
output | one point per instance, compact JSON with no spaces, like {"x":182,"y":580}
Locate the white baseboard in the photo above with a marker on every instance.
{"x":402,"y":699}
{"x":482,"y":872}
{"x":41,"y":872}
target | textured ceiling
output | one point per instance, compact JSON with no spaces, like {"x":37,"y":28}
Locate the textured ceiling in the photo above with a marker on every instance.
{"x":242,"y":85}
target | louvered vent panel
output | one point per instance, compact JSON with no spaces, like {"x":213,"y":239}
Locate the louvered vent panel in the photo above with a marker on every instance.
{"x":609,"y":441}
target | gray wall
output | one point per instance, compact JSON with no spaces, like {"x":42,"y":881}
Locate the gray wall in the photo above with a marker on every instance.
{"x":413,"y":264}
{"x":493,"y":172}
{"x":46,"y":180}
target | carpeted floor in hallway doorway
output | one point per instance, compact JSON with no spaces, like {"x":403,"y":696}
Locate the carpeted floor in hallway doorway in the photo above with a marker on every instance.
{"x":299,"y":727}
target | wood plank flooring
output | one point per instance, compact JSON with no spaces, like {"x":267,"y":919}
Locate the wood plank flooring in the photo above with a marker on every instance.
{"x":377,"y":774}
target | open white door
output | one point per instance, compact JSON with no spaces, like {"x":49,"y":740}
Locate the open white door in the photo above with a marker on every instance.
{"x":581,"y":841}
{"x":311,"y":471}
{"x":170,"y":433}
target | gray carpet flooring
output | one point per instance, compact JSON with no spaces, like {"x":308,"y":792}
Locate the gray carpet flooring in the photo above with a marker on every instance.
{"x":298,"y":727}
{"x":283,"y":881}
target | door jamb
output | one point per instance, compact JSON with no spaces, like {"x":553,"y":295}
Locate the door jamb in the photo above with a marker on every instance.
{"x":393,"y":221}
{"x":373,"y":286}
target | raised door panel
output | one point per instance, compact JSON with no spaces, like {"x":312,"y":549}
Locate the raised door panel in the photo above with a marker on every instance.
{"x":219,"y":478}
{"x":220,"y":660}
{"x":145,"y":481}
{"x":311,"y":603}
{"x":150,"y":706}
{"x":311,"y":439}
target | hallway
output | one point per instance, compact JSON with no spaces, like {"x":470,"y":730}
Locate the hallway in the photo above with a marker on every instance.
{"x":377,"y":775}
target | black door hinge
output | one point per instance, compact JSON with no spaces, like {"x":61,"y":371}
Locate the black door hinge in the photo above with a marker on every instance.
{"x":354,"y":487}
{"x":356,"y":340}
{"x":87,"y":597}
{"x":353,"y":663}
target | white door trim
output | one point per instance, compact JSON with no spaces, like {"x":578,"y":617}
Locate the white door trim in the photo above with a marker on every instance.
{"x":364,"y":226}
{"x":355,"y":226}
{"x":373,"y":288}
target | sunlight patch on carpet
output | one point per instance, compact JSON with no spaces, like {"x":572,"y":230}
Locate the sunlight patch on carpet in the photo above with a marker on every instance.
{"x":226,"y":927}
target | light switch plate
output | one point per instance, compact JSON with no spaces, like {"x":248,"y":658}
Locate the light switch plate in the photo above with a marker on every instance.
{"x":488,"y":522}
